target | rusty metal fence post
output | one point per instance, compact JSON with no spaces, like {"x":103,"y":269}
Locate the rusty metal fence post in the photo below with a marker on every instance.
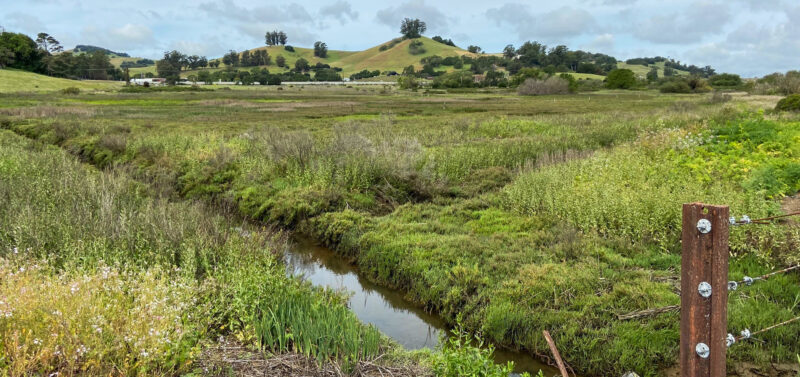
{"x":704,"y":290}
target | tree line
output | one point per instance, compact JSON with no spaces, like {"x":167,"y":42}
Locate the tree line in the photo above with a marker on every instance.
{"x":45,"y":55}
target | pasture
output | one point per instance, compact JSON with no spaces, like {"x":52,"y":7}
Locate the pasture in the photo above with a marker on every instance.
{"x":506,"y":215}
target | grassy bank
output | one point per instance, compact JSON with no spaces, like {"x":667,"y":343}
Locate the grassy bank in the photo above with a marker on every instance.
{"x":503,"y":212}
{"x":99,"y":278}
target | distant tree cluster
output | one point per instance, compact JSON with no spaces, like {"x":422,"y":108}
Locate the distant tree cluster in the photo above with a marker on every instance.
{"x":646,"y":61}
{"x":474,"y":49}
{"x":412,"y":28}
{"x":261,"y":76}
{"x":693,"y":70}
{"x":44,"y":55}
{"x":137,"y":63}
{"x":246,"y":58}
{"x":89,"y":49}
{"x":320,"y":50}
{"x":365,"y":74}
{"x":274,"y":38}
{"x":441,"y":40}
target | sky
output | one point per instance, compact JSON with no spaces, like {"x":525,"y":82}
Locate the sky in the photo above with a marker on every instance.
{"x":747,"y":37}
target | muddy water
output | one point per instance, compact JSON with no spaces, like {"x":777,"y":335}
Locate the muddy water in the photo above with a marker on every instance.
{"x":384,"y":308}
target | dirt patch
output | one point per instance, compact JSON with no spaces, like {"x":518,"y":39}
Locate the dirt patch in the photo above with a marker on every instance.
{"x":231,"y":358}
{"x":791,"y":204}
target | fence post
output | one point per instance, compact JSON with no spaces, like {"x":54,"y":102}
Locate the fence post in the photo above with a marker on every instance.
{"x":704,"y":290}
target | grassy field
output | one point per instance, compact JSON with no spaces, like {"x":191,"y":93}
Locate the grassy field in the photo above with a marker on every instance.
{"x":12,"y":80}
{"x":508,"y":214}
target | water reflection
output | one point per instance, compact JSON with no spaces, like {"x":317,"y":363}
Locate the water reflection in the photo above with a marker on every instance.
{"x":384,"y":308}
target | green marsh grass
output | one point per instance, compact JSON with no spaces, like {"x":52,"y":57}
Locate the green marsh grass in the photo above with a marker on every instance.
{"x":508,"y":217}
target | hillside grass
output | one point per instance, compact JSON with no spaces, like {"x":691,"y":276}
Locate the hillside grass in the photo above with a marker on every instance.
{"x":497,"y":211}
{"x":641,"y":70}
{"x":394,"y":59}
{"x":13,"y":80}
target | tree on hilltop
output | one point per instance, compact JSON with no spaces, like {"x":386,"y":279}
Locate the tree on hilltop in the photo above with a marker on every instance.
{"x":274,"y":38}
{"x":412,"y":28}
{"x":320,"y":49}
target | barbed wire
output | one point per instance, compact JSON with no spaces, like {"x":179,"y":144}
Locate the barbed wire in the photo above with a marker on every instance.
{"x":746,"y":220}
{"x":746,"y":334}
{"x":748,"y":281}
{"x":732,"y":286}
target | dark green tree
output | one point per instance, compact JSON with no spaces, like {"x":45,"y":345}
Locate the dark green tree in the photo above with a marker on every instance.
{"x":621,"y":79}
{"x":412,"y":28}
{"x":320,"y":50}
{"x":280,"y":61}
{"x":48,"y":44}
{"x":652,"y":76}
{"x":301,"y":65}
{"x":509,"y":52}
{"x":169,"y":67}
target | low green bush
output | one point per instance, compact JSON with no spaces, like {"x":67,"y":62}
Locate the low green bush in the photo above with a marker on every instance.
{"x":71,"y":91}
{"x":790,"y":103}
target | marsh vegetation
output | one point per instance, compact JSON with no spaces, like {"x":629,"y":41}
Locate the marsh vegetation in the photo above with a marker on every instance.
{"x":507,"y":214}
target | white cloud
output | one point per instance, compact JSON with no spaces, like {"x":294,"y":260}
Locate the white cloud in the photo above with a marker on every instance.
{"x":340,"y":10}
{"x":696,"y":23}
{"x":23,"y":22}
{"x":602,"y":43}
{"x":434,"y":19}
{"x":563,"y":22}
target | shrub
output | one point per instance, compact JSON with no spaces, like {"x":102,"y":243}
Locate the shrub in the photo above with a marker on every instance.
{"x":725,"y":79}
{"x":288,"y":48}
{"x":416,"y":48}
{"x":790,"y":103}
{"x":621,"y":79}
{"x":71,"y":91}
{"x":675,"y":86}
{"x":536,"y":87}
{"x":407,"y":82}
{"x":463,"y":355}
{"x":778,"y":83}
{"x":719,"y":97}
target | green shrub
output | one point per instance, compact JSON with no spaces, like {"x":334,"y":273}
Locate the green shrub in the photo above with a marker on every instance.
{"x":790,"y":103}
{"x":725,"y":80}
{"x":416,"y":47}
{"x":71,"y":91}
{"x":621,"y":79}
{"x":464,"y":355}
{"x":550,"y":86}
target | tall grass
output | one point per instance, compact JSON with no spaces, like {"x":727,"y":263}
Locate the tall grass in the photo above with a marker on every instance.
{"x":98,"y":277}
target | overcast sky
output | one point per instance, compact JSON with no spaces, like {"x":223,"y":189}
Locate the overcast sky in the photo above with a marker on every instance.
{"x":749,"y":37}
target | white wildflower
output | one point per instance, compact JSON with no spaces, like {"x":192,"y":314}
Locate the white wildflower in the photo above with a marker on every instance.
{"x":37,"y":341}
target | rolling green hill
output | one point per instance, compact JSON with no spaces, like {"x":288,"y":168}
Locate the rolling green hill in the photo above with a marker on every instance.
{"x":641,"y":70}
{"x":392,"y":59}
{"x":13,"y":80}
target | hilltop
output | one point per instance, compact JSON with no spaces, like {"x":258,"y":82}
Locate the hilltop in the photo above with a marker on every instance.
{"x":86,"y":49}
{"x":394,"y":57}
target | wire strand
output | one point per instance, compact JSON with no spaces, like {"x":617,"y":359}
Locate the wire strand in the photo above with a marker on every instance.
{"x":775,"y":326}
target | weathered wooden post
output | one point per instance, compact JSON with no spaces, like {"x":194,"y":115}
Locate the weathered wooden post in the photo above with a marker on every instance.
{"x":704,"y":290}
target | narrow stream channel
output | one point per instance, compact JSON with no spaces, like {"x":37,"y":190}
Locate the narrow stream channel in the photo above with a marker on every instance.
{"x":384,"y":308}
